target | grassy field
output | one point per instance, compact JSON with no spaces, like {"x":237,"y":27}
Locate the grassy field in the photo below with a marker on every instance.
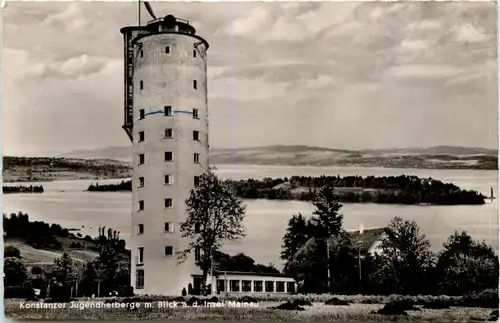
{"x":316,"y":298}
{"x":32,"y":255}
{"x":318,"y":311}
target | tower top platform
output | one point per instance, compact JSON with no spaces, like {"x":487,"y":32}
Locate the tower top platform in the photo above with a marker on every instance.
{"x":169,"y":23}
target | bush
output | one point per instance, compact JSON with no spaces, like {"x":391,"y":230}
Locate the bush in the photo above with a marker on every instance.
{"x":18,"y":292}
{"x":485,"y":299}
{"x":11,"y":251}
{"x":127,"y":291}
{"x":76,"y":245}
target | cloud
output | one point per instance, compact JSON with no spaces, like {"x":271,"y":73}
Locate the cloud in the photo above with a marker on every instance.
{"x":469,"y":34}
{"x":75,"y":67}
{"x":425,"y":25}
{"x":392,"y":67}
{"x":287,"y":30}
{"x":254,"y":20}
{"x":71,"y":18}
{"x":246,"y":89}
{"x":422,"y":71}
{"x":415,"y":44}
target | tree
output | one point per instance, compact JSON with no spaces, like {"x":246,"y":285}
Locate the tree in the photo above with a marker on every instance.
{"x":64,"y":274}
{"x":122,"y":276}
{"x":215,"y":215}
{"x":344,"y":258}
{"x":88,"y":279}
{"x":406,"y":258}
{"x":14,"y":272}
{"x":297,"y":234}
{"x":11,"y":251}
{"x":327,"y":221}
{"x":79,"y":274}
{"x":101,"y":274}
{"x":466,"y":265}
{"x":306,"y":267}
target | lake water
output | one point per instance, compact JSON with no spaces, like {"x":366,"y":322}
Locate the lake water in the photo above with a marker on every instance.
{"x":66,"y":203}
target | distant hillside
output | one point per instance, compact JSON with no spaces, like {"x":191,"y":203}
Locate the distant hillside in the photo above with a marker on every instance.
{"x":299,"y":155}
{"x":114,"y":152}
{"x":115,"y":162}
{"x":38,"y":169}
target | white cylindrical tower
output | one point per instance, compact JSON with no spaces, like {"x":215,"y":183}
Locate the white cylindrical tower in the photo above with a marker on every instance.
{"x":166,"y":117}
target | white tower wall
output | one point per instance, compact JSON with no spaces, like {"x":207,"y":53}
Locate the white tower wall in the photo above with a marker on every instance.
{"x":167,"y":80}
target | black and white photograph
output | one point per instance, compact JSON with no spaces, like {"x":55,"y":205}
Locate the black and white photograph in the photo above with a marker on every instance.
{"x":278,"y":161}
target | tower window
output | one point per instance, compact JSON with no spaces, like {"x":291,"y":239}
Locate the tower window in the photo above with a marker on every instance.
{"x":196,"y":135}
{"x":194,"y":52}
{"x":141,"y":205}
{"x":141,"y":159}
{"x":142,"y":53}
{"x":140,"y":228}
{"x":141,"y":181}
{"x":167,"y":180}
{"x":169,"y":156}
{"x":168,"y":202}
{"x":169,"y":227}
{"x":195,"y":114}
{"x":167,"y":49}
{"x":167,"y":110}
{"x":141,"y":85}
{"x":196,"y":180}
{"x":195,"y":84}
{"x":141,"y":135}
{"x":169,"y":133}
{"x":169,"y":250}
{"x":197,"y":253}
{"x":197,"y":228}
{"x":140,"y":255}
{"x":139,"y":279}
{"x":141,"y":114}
{"x":196,"y":158}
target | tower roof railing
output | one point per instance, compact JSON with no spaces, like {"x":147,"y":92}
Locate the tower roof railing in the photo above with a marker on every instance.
{"x":162,"y":19}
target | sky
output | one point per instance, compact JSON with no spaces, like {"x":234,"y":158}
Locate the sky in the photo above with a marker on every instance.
{"x":347,"y":75}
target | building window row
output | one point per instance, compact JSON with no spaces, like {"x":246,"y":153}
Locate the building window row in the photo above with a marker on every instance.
{"x":195,"y":85}
{"x":167,"y":51}
{"x":168,"y":251}
{"x":167,"y":180}
{"x":168,"y":112}
{"x":168,"y":202}
{"x":169,"y":134}
{"x":169,"y":156}
{"x":258,"y":286}
{"x":168,"y":228}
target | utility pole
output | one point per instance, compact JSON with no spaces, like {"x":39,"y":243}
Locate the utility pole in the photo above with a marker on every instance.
{"x":328,"y":263}
{"x":359,"y":258}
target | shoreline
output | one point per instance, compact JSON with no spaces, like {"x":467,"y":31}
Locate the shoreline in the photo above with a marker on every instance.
{"x":55,"y":175}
